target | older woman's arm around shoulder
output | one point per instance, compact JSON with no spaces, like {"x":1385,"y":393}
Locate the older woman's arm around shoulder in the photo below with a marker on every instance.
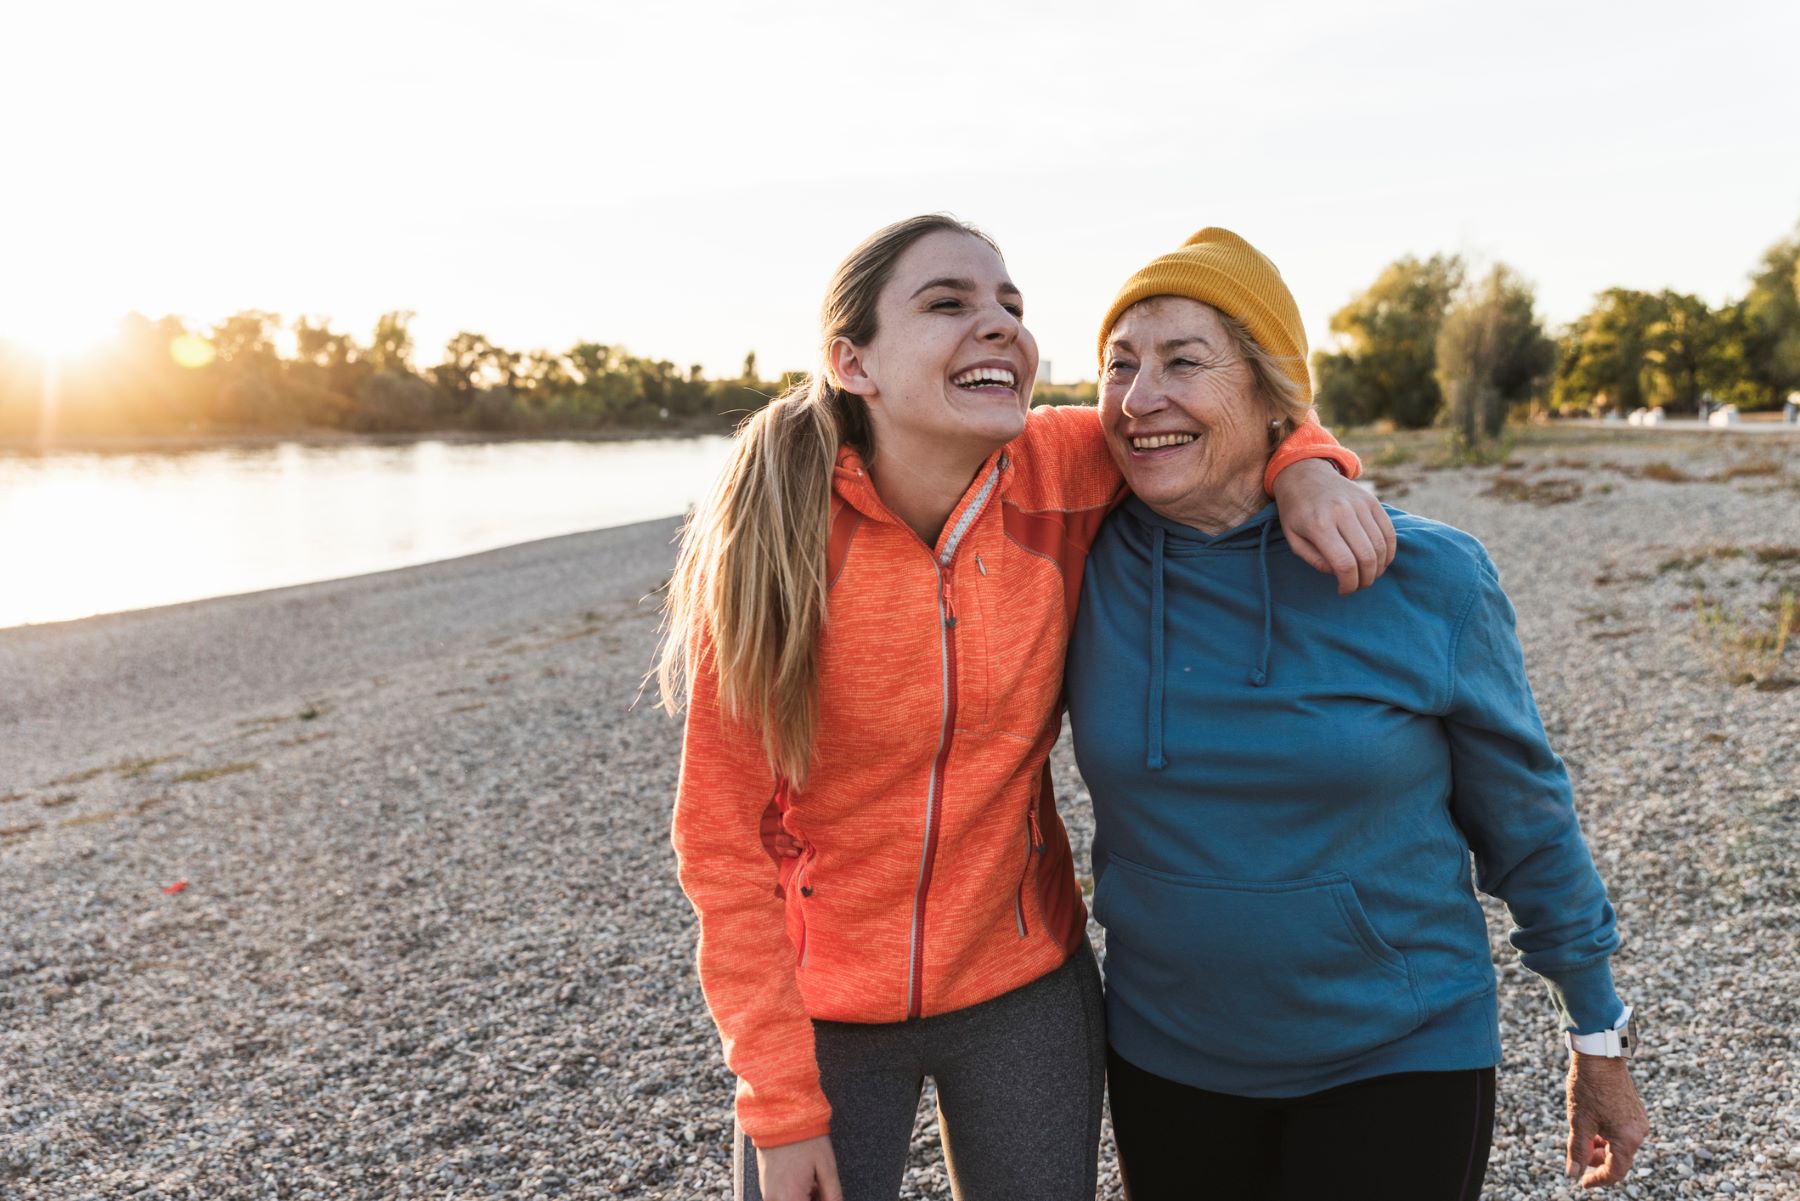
{"x":1511,"y":798}
{"x":1334,"y":526}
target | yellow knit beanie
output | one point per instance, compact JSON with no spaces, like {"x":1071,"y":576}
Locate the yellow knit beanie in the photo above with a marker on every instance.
{"x":1217,"y":267}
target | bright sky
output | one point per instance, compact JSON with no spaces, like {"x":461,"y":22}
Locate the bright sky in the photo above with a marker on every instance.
{"x":681,"y":178}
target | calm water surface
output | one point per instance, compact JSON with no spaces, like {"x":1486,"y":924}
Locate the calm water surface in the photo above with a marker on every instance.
{"x":84,"y":533}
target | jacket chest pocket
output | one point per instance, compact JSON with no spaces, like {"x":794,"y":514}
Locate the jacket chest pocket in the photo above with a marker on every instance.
{"x":881,"y":664}
{"x":1011,"y":662}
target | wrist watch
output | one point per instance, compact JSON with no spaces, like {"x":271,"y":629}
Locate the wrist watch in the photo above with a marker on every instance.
{"x":1618,"y":1043}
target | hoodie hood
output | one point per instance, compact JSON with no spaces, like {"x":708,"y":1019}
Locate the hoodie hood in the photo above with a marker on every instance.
{"x":1161,"y":537}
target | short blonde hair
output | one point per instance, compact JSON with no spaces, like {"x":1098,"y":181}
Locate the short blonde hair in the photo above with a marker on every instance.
{"x":1274,"y":379}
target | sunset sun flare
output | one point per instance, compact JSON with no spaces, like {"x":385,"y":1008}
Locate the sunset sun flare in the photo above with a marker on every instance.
{"x":57,"y":332}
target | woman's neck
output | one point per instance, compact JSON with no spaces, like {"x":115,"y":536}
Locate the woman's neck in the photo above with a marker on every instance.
{"x":922,"y":485}
{"x":1212,"y":511}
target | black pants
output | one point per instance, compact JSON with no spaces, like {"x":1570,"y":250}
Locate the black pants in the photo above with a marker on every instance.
{"x":1413,"y":1136}
{"x":1019,"y":1081}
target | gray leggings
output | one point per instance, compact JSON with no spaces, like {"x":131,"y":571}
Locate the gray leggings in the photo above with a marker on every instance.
{"x":1019,"y":1083}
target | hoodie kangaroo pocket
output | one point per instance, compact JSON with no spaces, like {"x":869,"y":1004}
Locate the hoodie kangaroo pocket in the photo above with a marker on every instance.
{"x":1284,"y":973}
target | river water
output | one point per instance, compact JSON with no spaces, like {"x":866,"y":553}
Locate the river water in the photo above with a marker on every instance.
{"x":96,"y":533}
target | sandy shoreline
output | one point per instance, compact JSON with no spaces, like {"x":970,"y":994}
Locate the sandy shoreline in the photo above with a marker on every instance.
{"x":430,"y":942}
{"x":117,"y":683}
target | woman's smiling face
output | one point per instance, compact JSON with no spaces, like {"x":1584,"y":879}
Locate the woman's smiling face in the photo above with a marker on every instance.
{"x":951,"y":362}
{"x":1180,"y":410}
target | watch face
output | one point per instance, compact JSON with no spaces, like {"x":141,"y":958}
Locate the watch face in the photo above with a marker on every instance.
{"x":1630,"y":1035}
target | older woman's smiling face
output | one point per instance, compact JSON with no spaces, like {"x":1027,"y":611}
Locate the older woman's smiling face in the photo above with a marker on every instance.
{"x":1182,"y":416}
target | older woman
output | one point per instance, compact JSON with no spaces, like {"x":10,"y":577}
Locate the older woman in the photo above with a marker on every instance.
{"x":1287,"y":787}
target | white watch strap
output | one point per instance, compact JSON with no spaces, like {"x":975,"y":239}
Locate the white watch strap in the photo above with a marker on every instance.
{"x":1605,"y":1043}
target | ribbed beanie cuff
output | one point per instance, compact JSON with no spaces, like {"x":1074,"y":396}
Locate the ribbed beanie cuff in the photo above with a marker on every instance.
{"x":1218,"y":268}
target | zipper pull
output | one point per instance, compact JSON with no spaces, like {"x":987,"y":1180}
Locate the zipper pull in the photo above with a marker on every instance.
{"x":979,"y":565}
{"x":1037,"y":836}
{"x":949,"y":603}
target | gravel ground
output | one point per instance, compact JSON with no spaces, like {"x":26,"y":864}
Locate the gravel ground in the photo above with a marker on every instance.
{"x":430,"y":942}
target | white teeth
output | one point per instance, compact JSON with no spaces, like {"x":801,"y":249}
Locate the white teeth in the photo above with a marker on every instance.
{"x":1161,"y":440}
{"x":984,"y":375}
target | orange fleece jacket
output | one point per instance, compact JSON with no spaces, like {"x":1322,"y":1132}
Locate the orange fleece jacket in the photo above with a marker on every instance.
{"x":935,"y":872}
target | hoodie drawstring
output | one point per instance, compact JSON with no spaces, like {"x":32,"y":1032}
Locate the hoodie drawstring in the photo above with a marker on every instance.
{"x":1260,"y":676}
{"x":1153,"y":759}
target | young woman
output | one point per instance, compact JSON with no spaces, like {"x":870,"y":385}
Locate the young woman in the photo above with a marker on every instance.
{"x":867,"y":624}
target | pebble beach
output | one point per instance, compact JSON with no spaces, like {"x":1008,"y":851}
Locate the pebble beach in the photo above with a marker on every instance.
{"x":363,"y":889}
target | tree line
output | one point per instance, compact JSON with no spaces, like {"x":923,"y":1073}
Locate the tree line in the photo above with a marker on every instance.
{"x":163,"y":378}
{"x":1426,"y":344}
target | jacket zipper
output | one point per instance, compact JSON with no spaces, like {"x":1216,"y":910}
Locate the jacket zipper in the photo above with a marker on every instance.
{"x":915,"y":978}
{"x":1034,"y":845}
{"x":805,"y":891}
{"x":934,"y":794}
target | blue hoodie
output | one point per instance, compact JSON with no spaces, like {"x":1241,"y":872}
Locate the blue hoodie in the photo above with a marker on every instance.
{"x":1287,"y":786}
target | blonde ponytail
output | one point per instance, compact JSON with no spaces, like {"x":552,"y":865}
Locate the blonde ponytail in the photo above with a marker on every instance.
{"x":751,"y":574}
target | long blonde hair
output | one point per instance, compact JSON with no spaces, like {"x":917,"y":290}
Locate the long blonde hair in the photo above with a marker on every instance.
{"x":751,"y":570}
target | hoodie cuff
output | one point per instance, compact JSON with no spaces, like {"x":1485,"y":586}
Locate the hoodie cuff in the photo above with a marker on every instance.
{"x":1584,"y":998}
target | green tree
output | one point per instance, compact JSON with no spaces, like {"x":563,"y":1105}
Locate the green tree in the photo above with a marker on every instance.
{"x":247,"y":339}
{"x":1603,"y":357}
{"x":606,"y":385}
{"x":390,"y":350}
{"x":1679,"y":349}
{"x":389,"y":401}
{"x":246,"y":371}
{"x":1491,"y":355}
{"x":480,"y":382}
{"x":1726,"y":371}
{"x":323,"y":380}
{"x":1771,"y":328}
{"x":1387,"y":337}
{"x":470,"y":362}
{"x":592,"y":360}
{"x":315,"y":343}
{"x":544,"y":379}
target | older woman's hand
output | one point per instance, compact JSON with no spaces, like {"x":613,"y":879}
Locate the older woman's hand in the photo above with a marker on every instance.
{"x":1336,"y":526}
{"x":1607,"y":1122}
